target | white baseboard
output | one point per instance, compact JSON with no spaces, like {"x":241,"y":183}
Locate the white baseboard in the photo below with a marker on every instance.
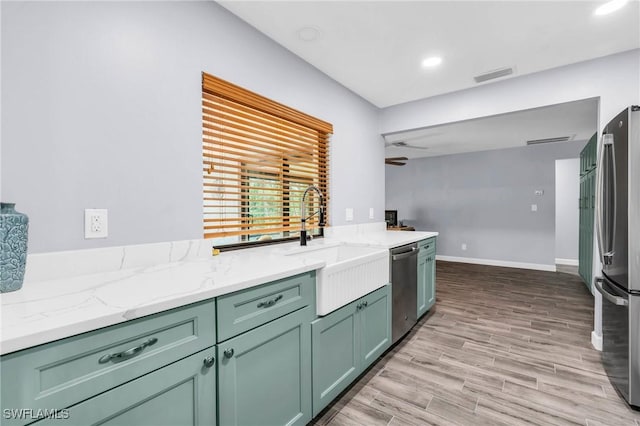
{"x":596,"y":340}
{"x":569,"y":262}
{"x":504,"y":263}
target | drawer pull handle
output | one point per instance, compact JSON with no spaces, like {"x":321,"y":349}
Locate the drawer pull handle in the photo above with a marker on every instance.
{"x":359,"y":306}
{"x":128,"y":353}
{"x":269,"y":303}
{"x":209,"y":361}
{"x":228,"y":353}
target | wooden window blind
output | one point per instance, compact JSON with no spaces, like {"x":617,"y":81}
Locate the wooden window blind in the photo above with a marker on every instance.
{"x":258,"y":158}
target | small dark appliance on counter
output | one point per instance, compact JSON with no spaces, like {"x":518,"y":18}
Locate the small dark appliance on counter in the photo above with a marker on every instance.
{"x":391,"y":217}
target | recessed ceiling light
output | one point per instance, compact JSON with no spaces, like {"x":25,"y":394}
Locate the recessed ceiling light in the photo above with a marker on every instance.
{"x":432,"y":62}
{"x":309,"y":33}
{"x":610,"y":7}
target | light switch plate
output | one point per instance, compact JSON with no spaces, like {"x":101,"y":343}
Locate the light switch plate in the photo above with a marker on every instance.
{"x":349,"y":214}
{"x":534,"y":207}
{"x":96,"y":224}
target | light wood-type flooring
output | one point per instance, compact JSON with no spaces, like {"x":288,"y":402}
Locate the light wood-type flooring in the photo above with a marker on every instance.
{"x":503,"y":347}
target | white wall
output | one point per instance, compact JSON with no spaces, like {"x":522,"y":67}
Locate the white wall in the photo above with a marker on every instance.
{"x":567,"y":213}
{"x":101,"y":108}
{"x":614,"y":79}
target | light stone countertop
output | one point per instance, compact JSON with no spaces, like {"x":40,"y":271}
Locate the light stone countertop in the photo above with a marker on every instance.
{"x":386,"y":239}
{"x":68,"y":293}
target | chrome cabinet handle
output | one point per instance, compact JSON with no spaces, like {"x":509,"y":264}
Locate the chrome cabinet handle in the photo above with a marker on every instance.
{"x":228,"y":353}
{"x":270,"y":303}
{"x":119,"y":356}
{"x":209,"y":361}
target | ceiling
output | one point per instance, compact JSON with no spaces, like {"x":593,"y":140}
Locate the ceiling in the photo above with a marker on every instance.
{"x":375,"y":48}
{"x":578,"y":120}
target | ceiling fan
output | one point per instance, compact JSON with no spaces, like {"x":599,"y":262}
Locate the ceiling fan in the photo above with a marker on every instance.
{"x":403,"y":144}
{"x":400,"y":161}
{"x":396,"y":161}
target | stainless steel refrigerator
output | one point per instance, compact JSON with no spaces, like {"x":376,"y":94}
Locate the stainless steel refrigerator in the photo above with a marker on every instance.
{"x":618,"y":231}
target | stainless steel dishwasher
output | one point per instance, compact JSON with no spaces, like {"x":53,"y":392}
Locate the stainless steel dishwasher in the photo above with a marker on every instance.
{"x":404,"y":282}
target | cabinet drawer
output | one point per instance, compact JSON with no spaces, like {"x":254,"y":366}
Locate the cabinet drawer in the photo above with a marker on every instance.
{"x":177,"y":394}
{"x":241,"y":311}
{"x":62,"y":373}
{"x":428,"y":245}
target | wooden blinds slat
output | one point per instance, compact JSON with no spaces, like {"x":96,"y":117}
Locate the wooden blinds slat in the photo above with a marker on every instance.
{"x":228,"y":90}
{"x":258,"y":157}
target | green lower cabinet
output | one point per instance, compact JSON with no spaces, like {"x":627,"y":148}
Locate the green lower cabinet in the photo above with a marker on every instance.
{"x":375,"y":325}
{"x":426,"y":282}
{"x":336,"y":354}
{"x":182,"y":393}
{"x":346,"y":342}
{"x":264,"y":375}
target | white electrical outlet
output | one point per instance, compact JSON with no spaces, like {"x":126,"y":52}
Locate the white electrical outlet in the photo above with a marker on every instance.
{"x":539,"y":192}
{"x":534,"y":207}
{"x":96,"y":224}
{"x":349,"y":214}
{"x":370,"y":212}
{"x":464,"y":246}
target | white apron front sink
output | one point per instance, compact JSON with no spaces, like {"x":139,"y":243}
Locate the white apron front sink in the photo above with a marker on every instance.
{"x":351,"y":271}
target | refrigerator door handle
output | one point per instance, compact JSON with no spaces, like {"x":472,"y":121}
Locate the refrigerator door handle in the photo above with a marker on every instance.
{"x":616,"y":300}
{"x":606,"y":203}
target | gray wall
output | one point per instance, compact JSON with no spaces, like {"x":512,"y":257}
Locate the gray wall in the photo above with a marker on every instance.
{"x":483,"y":199}
{"x":101,"y":108}
{"x":567,"y":213}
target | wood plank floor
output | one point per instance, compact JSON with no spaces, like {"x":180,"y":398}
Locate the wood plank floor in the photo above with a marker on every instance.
{"x":503,"y":347}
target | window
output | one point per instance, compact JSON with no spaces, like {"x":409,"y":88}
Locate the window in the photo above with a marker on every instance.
{"x":258,"y":158}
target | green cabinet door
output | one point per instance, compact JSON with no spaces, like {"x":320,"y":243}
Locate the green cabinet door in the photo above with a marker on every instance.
{"x":430,"y":288}
{"x":426,"y":282}
{"x":422,"y":283}
{"x":588,"y":160}
{"x":335,"y":354}
{"x":346,"y":342}
{"x":375,"y":325}
{"x":182,"y":393}
{"x":264,"y":375}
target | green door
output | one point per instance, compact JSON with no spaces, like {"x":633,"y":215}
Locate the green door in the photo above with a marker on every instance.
{"x":422,"y":283}
{"x":182,"y":393}
{"x":375,"y":325}
{"x":264,"y":375}
{"x":335,"y":354}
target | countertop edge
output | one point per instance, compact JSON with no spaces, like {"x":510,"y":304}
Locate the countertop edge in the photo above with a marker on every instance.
{"x":113,"y":314}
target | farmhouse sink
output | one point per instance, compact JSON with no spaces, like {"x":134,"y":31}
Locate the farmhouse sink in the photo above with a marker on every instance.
{"x":351,"y":271}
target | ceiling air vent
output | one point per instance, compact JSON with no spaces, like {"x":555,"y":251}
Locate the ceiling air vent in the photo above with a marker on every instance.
{"x":550,"y":140}
{"x":493,"y":74}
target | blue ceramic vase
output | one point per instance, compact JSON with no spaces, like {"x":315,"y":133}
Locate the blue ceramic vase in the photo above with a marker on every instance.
{"x":14,"y":227}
